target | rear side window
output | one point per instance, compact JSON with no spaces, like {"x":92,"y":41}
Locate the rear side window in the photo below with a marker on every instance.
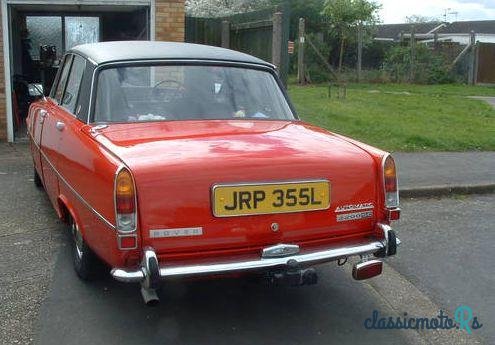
{"x":69,"y":100}
{"x":59,"y":91}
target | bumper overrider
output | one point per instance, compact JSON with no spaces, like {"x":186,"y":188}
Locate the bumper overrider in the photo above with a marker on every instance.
{"x":276,"y":258}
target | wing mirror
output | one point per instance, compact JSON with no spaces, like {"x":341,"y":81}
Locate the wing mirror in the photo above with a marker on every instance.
{"x":35,"y":90}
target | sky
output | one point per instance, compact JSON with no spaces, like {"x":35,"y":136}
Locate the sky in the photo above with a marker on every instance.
{"x":396,"y":11}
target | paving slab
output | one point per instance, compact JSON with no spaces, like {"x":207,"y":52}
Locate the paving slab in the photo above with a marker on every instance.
{"x":489,"y":100}
{"x":437,"y":171}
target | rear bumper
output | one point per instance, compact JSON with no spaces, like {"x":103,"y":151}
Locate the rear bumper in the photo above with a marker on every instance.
{"x":151,"y":272}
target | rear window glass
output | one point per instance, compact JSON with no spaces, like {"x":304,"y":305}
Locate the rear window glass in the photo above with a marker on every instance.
{"x":160,"y":93}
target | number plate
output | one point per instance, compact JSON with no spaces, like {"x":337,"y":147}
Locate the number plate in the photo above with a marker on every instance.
{"x":266,"y":198}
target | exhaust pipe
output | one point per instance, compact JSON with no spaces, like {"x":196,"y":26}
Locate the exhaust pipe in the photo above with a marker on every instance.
{"x":150,"y":297}
{"x":151,"y":272}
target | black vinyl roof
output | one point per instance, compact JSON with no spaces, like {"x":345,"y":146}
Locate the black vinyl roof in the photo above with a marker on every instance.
{"x":105,"y":52}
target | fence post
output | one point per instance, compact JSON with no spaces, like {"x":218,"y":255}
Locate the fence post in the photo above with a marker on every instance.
{"x":277,"y":40}
{"x":472,"y":59}
{"x":359,"y":52}
{"x":413,"y":54}
{"x":225,"y":34}
{"x":301,"y":76}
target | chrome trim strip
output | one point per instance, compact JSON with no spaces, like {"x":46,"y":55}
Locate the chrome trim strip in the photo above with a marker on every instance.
{"x":103,"y":219}
{"x":33,"y":141}
{"x":238,"y":184}
{"x":333,"y":254}
{"x":267,"y":66}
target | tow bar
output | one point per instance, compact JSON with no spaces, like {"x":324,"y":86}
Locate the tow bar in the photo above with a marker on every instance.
{"x":293,"y":275}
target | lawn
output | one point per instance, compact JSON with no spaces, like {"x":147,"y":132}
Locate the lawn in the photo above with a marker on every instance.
{"x":403,"y":117}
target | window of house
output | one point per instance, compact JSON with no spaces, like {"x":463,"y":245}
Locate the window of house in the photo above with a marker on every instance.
{"x":81,"y":30}
{"x":44,"y":30}
{"x":63,"y":32}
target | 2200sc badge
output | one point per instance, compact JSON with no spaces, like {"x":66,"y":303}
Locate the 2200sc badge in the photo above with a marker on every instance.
{"x":173,"y":160}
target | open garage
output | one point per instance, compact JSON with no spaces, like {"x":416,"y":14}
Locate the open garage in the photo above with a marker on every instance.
{"x":36,"y":34}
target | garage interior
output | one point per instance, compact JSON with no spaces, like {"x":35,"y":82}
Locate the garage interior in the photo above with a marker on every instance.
{"x":41,"y":34}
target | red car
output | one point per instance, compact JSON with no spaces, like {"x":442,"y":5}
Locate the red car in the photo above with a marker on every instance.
{"x":178,"y":160}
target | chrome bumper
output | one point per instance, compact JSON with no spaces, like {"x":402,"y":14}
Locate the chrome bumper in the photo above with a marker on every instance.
{"x":150,"y":272}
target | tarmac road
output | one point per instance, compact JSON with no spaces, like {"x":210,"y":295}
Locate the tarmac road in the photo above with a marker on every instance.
{"x":212,"y":312}
{"x":448,"y":253}
{"x":445,"y":260}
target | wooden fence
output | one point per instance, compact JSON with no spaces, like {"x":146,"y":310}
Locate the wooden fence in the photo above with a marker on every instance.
{"x":485,"y":63}
{"x":264,"y":34}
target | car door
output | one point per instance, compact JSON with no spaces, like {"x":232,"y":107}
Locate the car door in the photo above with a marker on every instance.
{"x":35,"y":128}
{"x":51,"y":134}
{"x":72,"y":116}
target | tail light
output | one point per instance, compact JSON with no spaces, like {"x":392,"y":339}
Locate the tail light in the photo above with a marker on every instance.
{"x":125,"y":201}
{"x":390,"y":183}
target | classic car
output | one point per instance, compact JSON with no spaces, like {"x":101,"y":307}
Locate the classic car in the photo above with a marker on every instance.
{"x":173,"y":160}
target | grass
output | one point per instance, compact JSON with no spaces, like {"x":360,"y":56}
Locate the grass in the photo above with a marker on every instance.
{"x":403,"y":117}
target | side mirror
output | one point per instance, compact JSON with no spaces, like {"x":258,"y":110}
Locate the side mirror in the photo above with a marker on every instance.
{"x":35,"y":90}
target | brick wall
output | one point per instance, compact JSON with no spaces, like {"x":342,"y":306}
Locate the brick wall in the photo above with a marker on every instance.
{"x":170,"y":20}
{"x":3,"y":110}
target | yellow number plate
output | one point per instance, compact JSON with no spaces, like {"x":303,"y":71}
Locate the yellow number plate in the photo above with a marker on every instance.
{"x":248,"y":199}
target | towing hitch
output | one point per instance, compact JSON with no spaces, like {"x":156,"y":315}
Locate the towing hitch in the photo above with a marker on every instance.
{"x":293,"y":275}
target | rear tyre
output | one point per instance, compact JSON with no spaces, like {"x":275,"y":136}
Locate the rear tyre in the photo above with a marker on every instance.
{"x":37,"y":179}
{"x":84,"y":260}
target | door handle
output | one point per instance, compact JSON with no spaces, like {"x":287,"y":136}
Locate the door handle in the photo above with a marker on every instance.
{"x":60,"y":125}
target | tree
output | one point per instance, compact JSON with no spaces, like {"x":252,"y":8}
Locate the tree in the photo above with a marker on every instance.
{"x":310,"y":10}
{"x":345,"y":16}
{"x":220,"y":8}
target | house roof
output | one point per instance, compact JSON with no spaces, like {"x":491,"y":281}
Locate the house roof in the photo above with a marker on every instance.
{"x":394,"y":30}
{"x":479,"y":27}
{"x":105,"y":52}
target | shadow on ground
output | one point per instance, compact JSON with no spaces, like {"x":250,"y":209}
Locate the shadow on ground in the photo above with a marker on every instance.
{"x":227,"y":311}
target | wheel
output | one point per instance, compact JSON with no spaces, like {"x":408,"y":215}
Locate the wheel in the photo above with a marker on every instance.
{"x":37,"y":179}
{"x":84,"y":260}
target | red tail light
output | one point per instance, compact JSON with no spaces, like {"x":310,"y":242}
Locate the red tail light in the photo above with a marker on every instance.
{"x":125,"y":201}
{"x":390,"y":183}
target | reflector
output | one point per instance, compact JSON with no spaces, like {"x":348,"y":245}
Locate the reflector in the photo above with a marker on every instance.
{"x":128,"y":242}
{"x":367,"y":269}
